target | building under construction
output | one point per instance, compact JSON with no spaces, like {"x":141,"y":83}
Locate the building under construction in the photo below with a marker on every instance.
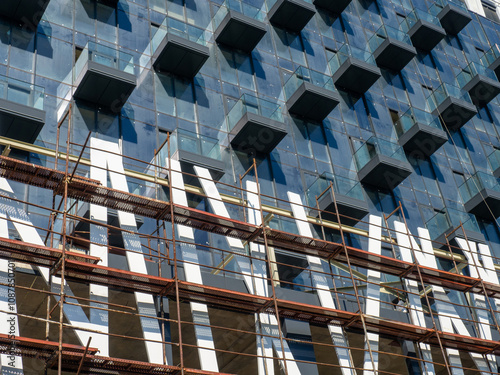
{"x":249,"y":187}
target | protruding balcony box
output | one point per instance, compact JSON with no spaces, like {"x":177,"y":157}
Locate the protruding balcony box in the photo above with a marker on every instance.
{"x":494,"y":159}
{"x":104,"y":76}
{"x":480,"y":82}
{"x":335,"y":6}
{"x":21,"y":109}
{"x":453,"y":105}
{"x":292,"y":15}
{"x":420,"y":133}
{"x":491,"y":59}
{"x":391,"y":48}
{"x":255,"y":125}
{"x":354,"y":69}
{"x":28,"y":12}
{"x":192,"y":150}
{"x":239,"y":25}
{"x":452,"y":14}
{"x":382,"y":163}
{"x":445,"y":223}
{"x":424,"y":29}
{"x":349,"y":196}
{"x":480,"y":194}
{"x":179,"y":48}
{"x":310,"y":94}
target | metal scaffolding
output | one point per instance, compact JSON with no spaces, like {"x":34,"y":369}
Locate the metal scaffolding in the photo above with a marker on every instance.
{"x":71,"y":263}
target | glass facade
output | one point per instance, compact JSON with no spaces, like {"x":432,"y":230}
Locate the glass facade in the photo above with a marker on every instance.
{"x":186,"y":209}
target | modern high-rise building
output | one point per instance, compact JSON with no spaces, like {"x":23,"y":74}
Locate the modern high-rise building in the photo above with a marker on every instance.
{"x":251,"y":187}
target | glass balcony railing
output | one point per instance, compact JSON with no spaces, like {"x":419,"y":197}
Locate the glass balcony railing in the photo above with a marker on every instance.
{"x":444,"y":91}
{"x":341,"y":185}
{"x":413,"y":116}
{"x":472,"y":70}
{"x":491,"y":56}
{"x":188,"y":141}
{"x":494,"y":159}
{"x":415,"y":15}
{"x":302,"y":75}
{"x":106,"y":56}
{"x":238,"y":6}
{"x":176,"y":27}
{"x":252,"y":104}
{"x":385,"y":32}
{"x":440,"y":4}
{"x":448,"y":219}
{"x":21,"y":92}
{"x":347,"y":51}
{"x":477,"y":182}
{"x":376,"y":146}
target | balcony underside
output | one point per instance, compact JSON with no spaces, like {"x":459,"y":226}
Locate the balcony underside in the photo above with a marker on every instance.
{"x":180,"y":56}
{"x":333,"y":6}
{"x":28,"y":12}
{"x":384,"y":172}
{"x":482,"y":90}
{"x":240,"y":32}
{"x":292,"y":15}
{"x":495,"y":66}
{"x":104,"y":86}
{"x":356,"y":76}
{"x":312,"y":102}
{"x":352,"y":210}
{"x":256,"y":134}
{"x":394,"y":54}
{"x":425,"y":35}
{"x":21,"y":122}
{"x":459,"y":233}
{"x":189,"y":159}
{"x":455,"y":112}
{"x":422,"y":140}
{"x":484,"y":201}
{"x":453,"y":19}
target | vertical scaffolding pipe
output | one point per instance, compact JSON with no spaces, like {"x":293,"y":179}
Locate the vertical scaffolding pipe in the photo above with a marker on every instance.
{"x":176,"y":268}
{"x":268,"y":256}
{"x":63,"y":249}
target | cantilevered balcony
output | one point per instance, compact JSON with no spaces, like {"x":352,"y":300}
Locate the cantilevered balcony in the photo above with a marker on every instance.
{"x":354,"y":69}
{"x":21,"y":109}
{"x":310,"y":94}
{"x":382,"y":163}
{"x":494,"y":159}
{"x":255,"y":125}
{"x":179,"y":48}
{"x":424,"y":29}
{"x":392,"y":48}
{"x":349,"y":196}
{"x":335,"y":6}
{"x":191,"y":150}
{"x":28,"y":12}
{"x":452,"y":14}
{"x":292,"y":15}
{"x":444,"y":223}
{"x":104,"y":76}
{"x":481,"y":195}
{"x":420,"y":133}
{"x":453,"y":105}
{"x":239,"y":25}
{"x":480,"y":82}
{"x":491,"y":59}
